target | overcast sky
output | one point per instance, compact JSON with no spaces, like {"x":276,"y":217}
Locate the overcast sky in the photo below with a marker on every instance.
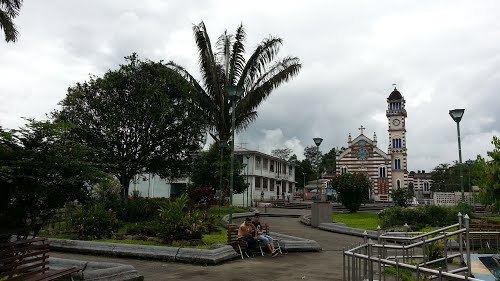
{"x":441,"y":54}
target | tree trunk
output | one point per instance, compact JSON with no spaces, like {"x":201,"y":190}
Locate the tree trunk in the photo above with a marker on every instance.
{"x":124,"y":183}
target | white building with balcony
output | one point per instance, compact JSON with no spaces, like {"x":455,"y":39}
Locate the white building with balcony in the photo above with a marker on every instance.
{"x":268,"y":177}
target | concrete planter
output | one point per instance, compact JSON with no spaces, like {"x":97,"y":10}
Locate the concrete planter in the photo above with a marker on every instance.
{"x":99,"y":271}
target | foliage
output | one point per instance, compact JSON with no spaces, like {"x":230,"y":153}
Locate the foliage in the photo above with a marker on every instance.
{"x":402,"y":196}
{"x":41,"y":169}
{"x":205,"y":172}
{"x":403,"y":274}
{"x":227,"y":66}
{"x":9,"y":9}
{"x":361,"y":220}
{"x":203,"y":196}
{"x":282,"y":153}
{"x":144,"y":228}
{"x":329,"y":162}
{"x":491,"y":190}
{"x":138,"y":209}
{"x":352,"y":190}
{"x":179,"y":222}
{"x":313,"y":155}
{"x":92,"y":221}
{"x":434,"y":251}
{"x":304,"y":172}
{"x":422,"y":216}
{"x":138,"y":119}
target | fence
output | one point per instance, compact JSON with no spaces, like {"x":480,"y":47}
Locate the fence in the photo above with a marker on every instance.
{"x":415,"y":253}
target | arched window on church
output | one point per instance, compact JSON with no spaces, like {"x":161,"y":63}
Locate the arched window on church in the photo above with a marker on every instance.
{"x":397,"y":164}
{"x":343,"y":170}
{"x":398,"y":184}
{"x":382,"y":172}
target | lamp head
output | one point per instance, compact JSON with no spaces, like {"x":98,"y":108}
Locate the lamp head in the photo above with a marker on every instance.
{"x":457,"y":114}
{"x":318,"y":141}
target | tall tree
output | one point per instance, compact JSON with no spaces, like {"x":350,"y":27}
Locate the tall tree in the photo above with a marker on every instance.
{"x":329,"y":162}
{"x":282,"y":153}
{"x":139,"y":118}
{"x":225,"y":67}
{"x":41,"y":169}
{"x":313,"y":155}
{"x":9,"y":9}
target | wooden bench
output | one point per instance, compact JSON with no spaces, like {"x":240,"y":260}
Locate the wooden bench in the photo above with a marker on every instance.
{"x":240,"y":245}
{"x":28,"y":260}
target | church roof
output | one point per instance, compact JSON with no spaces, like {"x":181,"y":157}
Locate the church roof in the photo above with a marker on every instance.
{"x":368,"y":141}
{"x":395,"y":95}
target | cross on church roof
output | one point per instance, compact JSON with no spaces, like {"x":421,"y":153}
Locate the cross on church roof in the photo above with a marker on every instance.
{"x":361,"y":129}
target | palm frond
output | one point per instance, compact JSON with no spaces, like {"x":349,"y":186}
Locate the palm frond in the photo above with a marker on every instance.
{"x":207,"y":61}
{"x":224,"y":51}
{"x":8,"y":27}
{"x":255,"y":66}
{"x":237,"y":63}
{"x":281,"y":72}
{"x":242,"y":122}
{"x":11,"y":7}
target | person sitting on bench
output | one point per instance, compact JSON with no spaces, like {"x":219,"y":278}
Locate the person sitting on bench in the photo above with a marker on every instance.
{"x":262,"y":236}
{"x":246,"y":232}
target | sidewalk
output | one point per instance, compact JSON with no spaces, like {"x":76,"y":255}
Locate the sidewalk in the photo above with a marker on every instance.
{"x":325,"y":265}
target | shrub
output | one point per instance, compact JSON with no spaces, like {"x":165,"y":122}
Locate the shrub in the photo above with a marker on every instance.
{"x":92,"y":221}
{"x":352,"y":190}
{"x":149,"y":229}
{"x":139,"y":209}
{"x":202,"y":196}
{"x":401,"y":196}
{"x":420,"y":217}
{"x":179,"y":222}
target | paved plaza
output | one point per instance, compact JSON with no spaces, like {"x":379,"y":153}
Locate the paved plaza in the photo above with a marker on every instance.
{"x":325,"y":265}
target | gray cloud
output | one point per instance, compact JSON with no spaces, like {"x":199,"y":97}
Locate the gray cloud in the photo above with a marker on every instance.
{"x":442,"y":54}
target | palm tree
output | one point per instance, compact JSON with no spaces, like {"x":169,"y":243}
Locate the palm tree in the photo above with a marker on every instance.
{"x":227,"y":67}
{"x":9,"y":9}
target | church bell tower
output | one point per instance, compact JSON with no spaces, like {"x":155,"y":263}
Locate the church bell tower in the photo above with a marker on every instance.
{"x":396,"y":115}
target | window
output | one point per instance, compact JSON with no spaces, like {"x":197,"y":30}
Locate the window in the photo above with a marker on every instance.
{"x":271,"y":185}
{"x":382,"y":173}
{"x":257,"y":183}
{"x":290,"y":190}
{"x":426,"y":186}
{"x":257,"y":162}
{"x":264,"y":164}
{"x":396,"y":143}
{"x":265,"y":184}
{"x":284,"y":169}
{"x":343,"y":170}
{"x":290,"y":169}
{"x":397,"y":164}
{"x":398,"y":184}
{"x":271,"y":166}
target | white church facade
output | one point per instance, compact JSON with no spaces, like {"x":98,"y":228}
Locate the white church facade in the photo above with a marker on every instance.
{"x":386,"y":170}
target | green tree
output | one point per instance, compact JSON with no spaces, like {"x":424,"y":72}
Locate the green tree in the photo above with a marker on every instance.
{"x":226,"y":66}
{"x":402,"y":196}
{"x":491,"y":189}
{"x":205,"y":172}
{"x":9,"y":9}
{"x":138,"y":119}
{"x":329,"y":162}
{"x":313,"y":155}
{"x":352,"y":190}
{"x":41,"y":169}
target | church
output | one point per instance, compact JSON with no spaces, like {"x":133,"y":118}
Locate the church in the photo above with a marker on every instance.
{"x":385,"y":170}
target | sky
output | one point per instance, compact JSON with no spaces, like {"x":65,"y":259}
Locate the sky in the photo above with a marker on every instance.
{"x":441,"y":54}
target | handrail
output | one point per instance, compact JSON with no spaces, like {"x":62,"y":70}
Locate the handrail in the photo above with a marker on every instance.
{"x":434,"y":238}
{"x":412,"y":267}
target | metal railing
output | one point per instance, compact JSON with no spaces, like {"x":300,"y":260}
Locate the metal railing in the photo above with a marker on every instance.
{"x":415,"y":253}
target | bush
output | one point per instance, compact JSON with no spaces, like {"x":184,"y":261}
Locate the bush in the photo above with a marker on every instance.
{"x":92,"y":221}
{"x":138,"y":209}
{"x":352,"y":190}
{"x":179,"y":222}
{"x":401,"y":196}
{"x":149,"y":229}
{"x":420,"y":217}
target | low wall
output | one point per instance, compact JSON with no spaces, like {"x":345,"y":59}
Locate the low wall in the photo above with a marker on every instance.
{"x":102,"y":271}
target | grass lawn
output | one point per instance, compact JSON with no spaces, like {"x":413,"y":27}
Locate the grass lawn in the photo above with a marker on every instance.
{"x":357,"y":220}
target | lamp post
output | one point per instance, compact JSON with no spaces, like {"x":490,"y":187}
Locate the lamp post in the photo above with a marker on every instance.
{"x":318,"y":142}
{"x":471,"y":192}
{"x":304,"y":185}
{"x":250,"y":186}
{"x":234,"y":94}
{"x":456,"y":115}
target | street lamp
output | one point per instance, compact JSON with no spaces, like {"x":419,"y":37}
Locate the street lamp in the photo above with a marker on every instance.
{"x":469,"y":163}
{"x":234,"y":93}
{"x":318,"y":142}
{"x":250,"y":186}
{"x":304,"y":185}
{"x":457,"y":114}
